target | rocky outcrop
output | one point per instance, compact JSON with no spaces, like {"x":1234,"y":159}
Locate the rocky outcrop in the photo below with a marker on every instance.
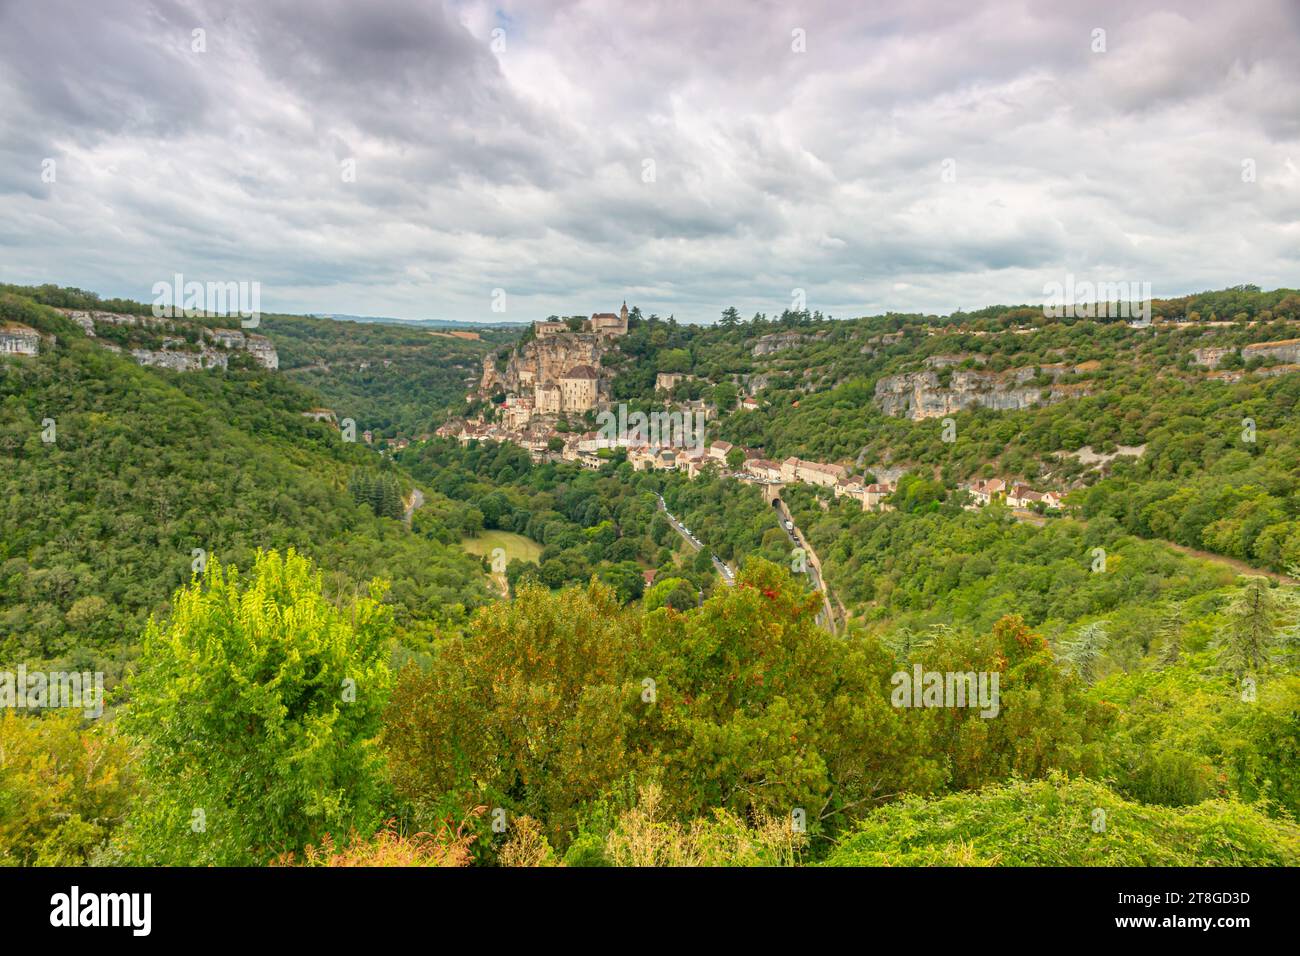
{"x":18,"y":339}
{"x":919,"y":395}
{"x":212,"y":350}
{"x":181,"y":361}
{"x":544,"y":361}
{"x":944,"y":361}
{"x":258,"y":346}
{"x":1286,"y":350}
{"x":1210,"y":357}
{"x":89,"y":319}
{"x":780,"y":341}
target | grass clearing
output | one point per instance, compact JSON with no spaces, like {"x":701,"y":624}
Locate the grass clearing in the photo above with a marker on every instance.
{"x":514,"y":545}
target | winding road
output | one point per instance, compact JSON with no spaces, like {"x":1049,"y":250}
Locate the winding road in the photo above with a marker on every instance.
{"x":826,"y":616}
{"x":728,"y":576}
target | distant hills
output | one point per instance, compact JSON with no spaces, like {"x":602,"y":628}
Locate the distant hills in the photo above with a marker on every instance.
{"x":418,"y":323}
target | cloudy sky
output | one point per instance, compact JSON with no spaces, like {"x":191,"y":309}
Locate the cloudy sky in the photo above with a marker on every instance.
{"x":408,"y":158}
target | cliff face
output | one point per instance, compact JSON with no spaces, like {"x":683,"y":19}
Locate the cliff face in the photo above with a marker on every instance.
{"x":543,"y":361}
{"x":179,"y":361}
{"x":1287,"y":350}
{"x":780,"y":341}
{"x":919,"y":395}
{"x":1210,"y":357}
{"x":490,"y":376}
{"x":211,"y":349}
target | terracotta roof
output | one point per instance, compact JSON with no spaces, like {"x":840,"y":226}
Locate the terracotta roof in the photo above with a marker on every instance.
{"x":585,"y":372}
{"x":824,"y":469}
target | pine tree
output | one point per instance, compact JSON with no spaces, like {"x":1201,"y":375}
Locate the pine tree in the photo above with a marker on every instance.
{"x":1252,"y":624}
{"x":1169,"y":632}
{"x":905,"y":642}
{"x":1085,"y":652}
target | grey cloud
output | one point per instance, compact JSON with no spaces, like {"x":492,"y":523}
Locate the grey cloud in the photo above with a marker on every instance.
{"x":521,"y":169}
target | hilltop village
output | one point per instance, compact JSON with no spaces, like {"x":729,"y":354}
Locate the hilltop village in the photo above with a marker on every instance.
{"x":555,"y":378}
{"x":556,"y":371}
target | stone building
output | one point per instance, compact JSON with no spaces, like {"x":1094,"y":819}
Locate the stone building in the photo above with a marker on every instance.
{"x":578,"y":389}
{"x":517,"y":411}
{"x":546,"y":399}
{"x":667,"y":381}
{"x":607,"y":323}
{"x":763,"y":469}
{"x":812,"y":472}
{"x":543,"y":329}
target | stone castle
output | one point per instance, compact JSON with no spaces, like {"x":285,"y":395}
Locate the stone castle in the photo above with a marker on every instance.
{"x":557,"y":371}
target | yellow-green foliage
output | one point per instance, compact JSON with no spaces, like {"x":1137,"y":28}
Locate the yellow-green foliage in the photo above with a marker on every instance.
{"x":642,"y":837}
{"x":1185,"y":734}
{"x":256,"y":704}
{"x":1059,"y":822}
{"x":63,"y":789}
{"x":388,"y":847}
{"x":555,"y":700}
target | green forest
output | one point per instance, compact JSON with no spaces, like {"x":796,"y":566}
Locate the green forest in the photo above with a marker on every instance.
{"x":304,"y":667}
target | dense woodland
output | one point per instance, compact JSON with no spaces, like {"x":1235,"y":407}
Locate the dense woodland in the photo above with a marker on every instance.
{"x":149,"y":467}
{"x":392,"y":380}
{"x":333,"y":686}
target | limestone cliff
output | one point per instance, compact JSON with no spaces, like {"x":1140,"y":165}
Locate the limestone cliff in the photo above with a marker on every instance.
{"x":543,"y":361}
{"x":173,"y":343}
{"x":919,"y":395}
{"x":780,"y":341}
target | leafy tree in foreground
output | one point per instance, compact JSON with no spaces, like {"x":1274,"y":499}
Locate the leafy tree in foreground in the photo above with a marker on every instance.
{"x":555,"y":702}
{"x":1169,"y":631}
{"x":255,"y":706}
{"x":530,"y":713}
{"x":1062,"y":822}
